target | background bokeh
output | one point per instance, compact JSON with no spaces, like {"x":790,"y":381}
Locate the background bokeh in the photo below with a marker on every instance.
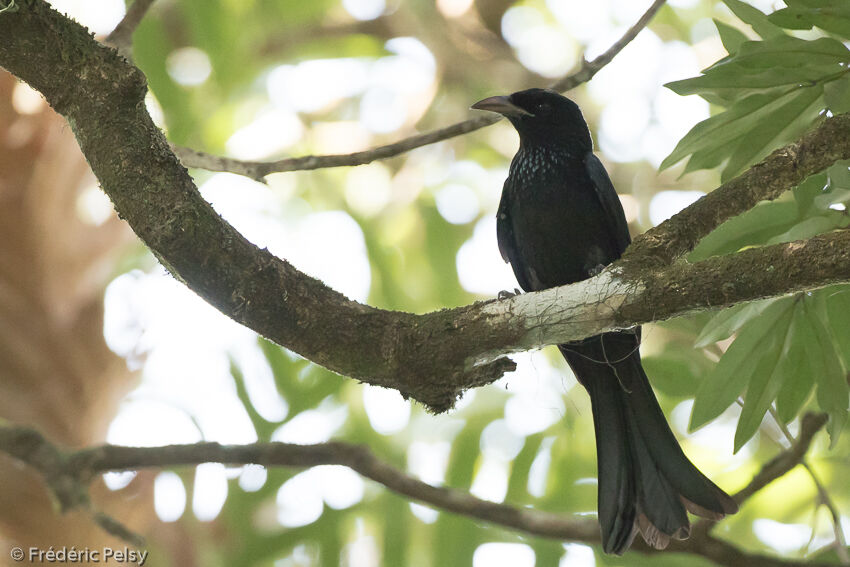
{"x":265,"y":79}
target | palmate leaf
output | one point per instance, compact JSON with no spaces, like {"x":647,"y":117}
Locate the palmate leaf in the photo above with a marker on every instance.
{"x":718,"y":130}
{"x":834,"y":307}
{"x":760,"y":339}
{"x":784,"y":123}
{"x":750,"y":128}
{"x":782,"y":351}
{"x":767,"y":380}
{"x":833,"y":394}
{"x":727,"y":322}
{"x":772,"y":91}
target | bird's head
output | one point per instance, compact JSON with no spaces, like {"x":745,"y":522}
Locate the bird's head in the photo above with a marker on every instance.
{"x":541,"y":116}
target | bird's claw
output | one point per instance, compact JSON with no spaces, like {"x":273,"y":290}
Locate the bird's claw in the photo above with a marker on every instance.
{"x":595,"y":271}
{"x":505,"y":294}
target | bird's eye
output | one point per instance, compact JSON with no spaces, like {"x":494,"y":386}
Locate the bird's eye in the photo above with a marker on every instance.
{"x":542,"y":107}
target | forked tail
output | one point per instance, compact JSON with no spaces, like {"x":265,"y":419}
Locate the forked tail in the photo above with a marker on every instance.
{"x":646,"y":483}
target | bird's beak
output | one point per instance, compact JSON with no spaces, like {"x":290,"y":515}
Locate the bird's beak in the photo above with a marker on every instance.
{"x":502,"y":105}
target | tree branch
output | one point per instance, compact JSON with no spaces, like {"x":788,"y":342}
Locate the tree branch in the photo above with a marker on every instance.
{"x":259,"y":169}
{"x":71,"y":473}
{"x":840,"y":543}
{"x":786,"y":460}
{"x":121,"y":38}
{"x":589,"y":69}
{"x":785,"y":168}
{"x":433,"y":357}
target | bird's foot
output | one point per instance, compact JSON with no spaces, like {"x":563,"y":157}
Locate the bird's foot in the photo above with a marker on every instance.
{"x":505,"y":294}
{"x":596,"y":270}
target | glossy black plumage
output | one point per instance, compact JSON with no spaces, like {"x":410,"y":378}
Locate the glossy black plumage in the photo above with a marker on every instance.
{"x":560,"y":221}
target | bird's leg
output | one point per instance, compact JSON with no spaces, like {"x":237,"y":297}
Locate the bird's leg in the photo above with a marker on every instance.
{"x":505,"y":294}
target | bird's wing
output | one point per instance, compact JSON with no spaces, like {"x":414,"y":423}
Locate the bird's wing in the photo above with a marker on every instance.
{"x":504,"y":228}
{"x":607,"y":195}
{"x":506,"y":240}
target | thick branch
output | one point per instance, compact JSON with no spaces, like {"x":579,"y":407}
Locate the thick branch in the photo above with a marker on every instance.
{"x":431,"y":358}
{"x":785,"y":168}
{"x":259,"y":169}
{"x":78,"y":468}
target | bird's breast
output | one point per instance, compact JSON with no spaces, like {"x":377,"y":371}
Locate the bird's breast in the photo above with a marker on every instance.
{"x":560,"y":230}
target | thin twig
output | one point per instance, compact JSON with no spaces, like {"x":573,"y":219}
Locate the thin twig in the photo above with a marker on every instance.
{"x":773,"y":469}
{"x":786,"y":460}
{"x":840,"y":543}
{"x":259,"y":169}
{"x":121,"y":38}
{"x":589,"y":69}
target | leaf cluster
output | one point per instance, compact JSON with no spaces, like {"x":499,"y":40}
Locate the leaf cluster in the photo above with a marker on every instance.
{"x":771,"y":89}
{"x":767,"y":91}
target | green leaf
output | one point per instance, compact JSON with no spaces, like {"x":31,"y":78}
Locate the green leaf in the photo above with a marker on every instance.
{"x":837,"y":300}
{"x":772,"y":90}
{"x":837,"y":95}
{"x":756,"y":339}
{"x":736,"y":78}
{"x":790,"y":52}
{"x":791,"y":19}
{"x":731,"y":37}
{"x":808,"y":191}
{"x":719,"y":130}
{"x":707,"y":158}
{"x":521,"y":469}
{"x":811,"y":227}
{"x":760,"y":65}
{"x":829,"y":374}
{"x":796,"y":389}
{"x":755,"y":17}
{"x":675,"y":372}
{"x":760,"y":140}
{"x":826,"y":200}
{"x":829,"y":15}
{"x":751,"y":227}
{"x":767,"y":380}
{"x":839,"y":175}
{"x":724,"y":324}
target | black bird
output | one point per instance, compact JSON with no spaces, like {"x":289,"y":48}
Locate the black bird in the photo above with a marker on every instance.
{"x":560,"y":221}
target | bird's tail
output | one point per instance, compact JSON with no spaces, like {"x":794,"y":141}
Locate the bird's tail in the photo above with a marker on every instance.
{"x":646,"y":483}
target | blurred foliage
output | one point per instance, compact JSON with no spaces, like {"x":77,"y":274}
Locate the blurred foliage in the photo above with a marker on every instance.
{"x":788,"y":354}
